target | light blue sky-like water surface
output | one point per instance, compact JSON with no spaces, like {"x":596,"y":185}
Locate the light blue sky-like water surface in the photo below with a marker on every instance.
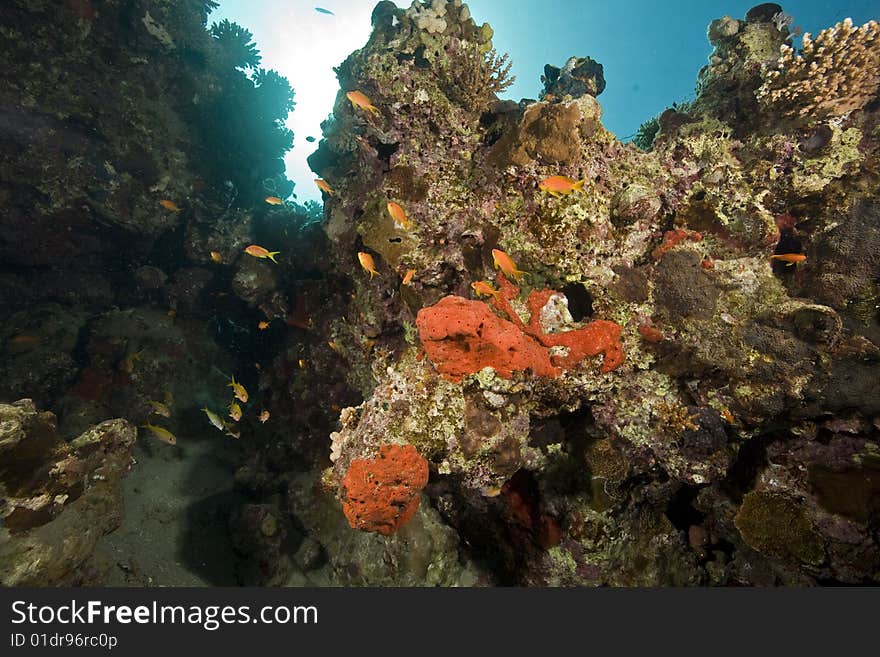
{"x":651,"y":50}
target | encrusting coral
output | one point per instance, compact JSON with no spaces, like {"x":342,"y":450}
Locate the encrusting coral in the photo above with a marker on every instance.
{"x":835,"y":73}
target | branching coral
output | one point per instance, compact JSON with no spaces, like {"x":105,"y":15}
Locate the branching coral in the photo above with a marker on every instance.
{"x":474,"y":77}
{"x":836,"y":73}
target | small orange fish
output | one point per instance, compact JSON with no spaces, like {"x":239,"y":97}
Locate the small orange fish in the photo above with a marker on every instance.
{"x":216,"y":257}
{"x":485,"y":289}
{"x":367,"y":263}
{"x":302,"y":363}
{"x":24,"y":339}
{"x":789,"y":258}
{"x":399,"y":216}
{"x":260,"y":252}
{"x":324,"y":186}
{"x":169,"y":205}
{"x":264,"y":416}
{"x":235,"y":411}
{"x":332,"y":345}
{"x":727,"y":415}
{"x":274,"y":200}
{"x":238,"y":390}
{"x":358,"y":99}
{"x":560,"y":185}
{"x":263,"y":325}
{"x":407,"y":278}
{"x":505,"y":264}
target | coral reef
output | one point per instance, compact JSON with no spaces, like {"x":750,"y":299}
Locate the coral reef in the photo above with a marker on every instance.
{"x":658,"y":401}
{"x":707,"y":446}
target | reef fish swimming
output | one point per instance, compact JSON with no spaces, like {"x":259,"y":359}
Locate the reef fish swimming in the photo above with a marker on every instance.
{"x":484,"y":288}
{"x":367,"y":263}
{"x":235,"y":411}
{"x":159,"y":408}
{"x":506,"y":264}
{"x":399,"y":216}
{"x":324,"y":186}
{"x":162,"y":434}
{"x":274,"y":200}
{"x":260,"y":252}
{"x":170,"y":205}
{"x":560,"y":185}
{"x":214,"y":419}
{"x":321,"y":10}
{"x":789,"y":258}
{"x":407,"y":278}
{"x":359,"y":100}
{"x":238,"y":390}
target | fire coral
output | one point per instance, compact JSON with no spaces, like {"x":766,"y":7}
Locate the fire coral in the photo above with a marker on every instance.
{"x":462,"y":336}
{"x":382,"y":494}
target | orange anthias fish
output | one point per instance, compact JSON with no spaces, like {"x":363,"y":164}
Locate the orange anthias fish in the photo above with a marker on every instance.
{"x":260,"y":252}
{"x":274,"y":200}
{"x":263,"y":325}
{"x":358,"y":99}
{"x":238,"y":390}
{"x":324,"y":186}
{"x":560,"y":185}
{"x":485,"y":289}
{"x":407,"y":278}
{"x":216,"y":257}
{"x":264,"y":416}
{"x":399,"y":216}
{"x":170,"y":205}
{"x":789,"y":258}
{"x":367,"y":263}
{"x":506,"y":264}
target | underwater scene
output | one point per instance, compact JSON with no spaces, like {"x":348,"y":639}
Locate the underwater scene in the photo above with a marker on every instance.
{"x":558,"y":293}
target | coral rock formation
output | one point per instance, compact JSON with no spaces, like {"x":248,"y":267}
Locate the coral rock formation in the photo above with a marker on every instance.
{"x":56,"y":498}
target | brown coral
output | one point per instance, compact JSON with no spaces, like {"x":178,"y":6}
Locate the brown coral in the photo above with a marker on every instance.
{"x":836,"y":73}
{"x":382,"y":494}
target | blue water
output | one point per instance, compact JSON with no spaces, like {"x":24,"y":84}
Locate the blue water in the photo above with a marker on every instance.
{"x":651,"y":50}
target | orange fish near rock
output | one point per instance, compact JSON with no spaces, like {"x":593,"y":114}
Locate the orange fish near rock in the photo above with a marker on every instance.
{"x":485,"y":289}
{"x":324,"y":186}
{"x":407,"y":278}
{"x":505,"y":264}
{"x":399,"y":216}
{"x":260,"y":252}
{"x":789,"y":258}
{"x":170,"y":205}
{"x":274,"y":200}
{"x":216,"y":257}
{"x":263,"y":325}
{"x":560,"y":185}
{"x":359,"y":100}
{"x":367,"y":263}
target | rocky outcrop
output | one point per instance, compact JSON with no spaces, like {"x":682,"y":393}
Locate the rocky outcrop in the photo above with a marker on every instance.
{"x":57,"y":498}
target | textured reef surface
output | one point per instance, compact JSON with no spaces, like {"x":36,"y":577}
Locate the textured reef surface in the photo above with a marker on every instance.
{"x":674,"y":384}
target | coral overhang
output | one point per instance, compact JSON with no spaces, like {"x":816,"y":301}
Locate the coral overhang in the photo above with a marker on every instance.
{"x":461,"y":337}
